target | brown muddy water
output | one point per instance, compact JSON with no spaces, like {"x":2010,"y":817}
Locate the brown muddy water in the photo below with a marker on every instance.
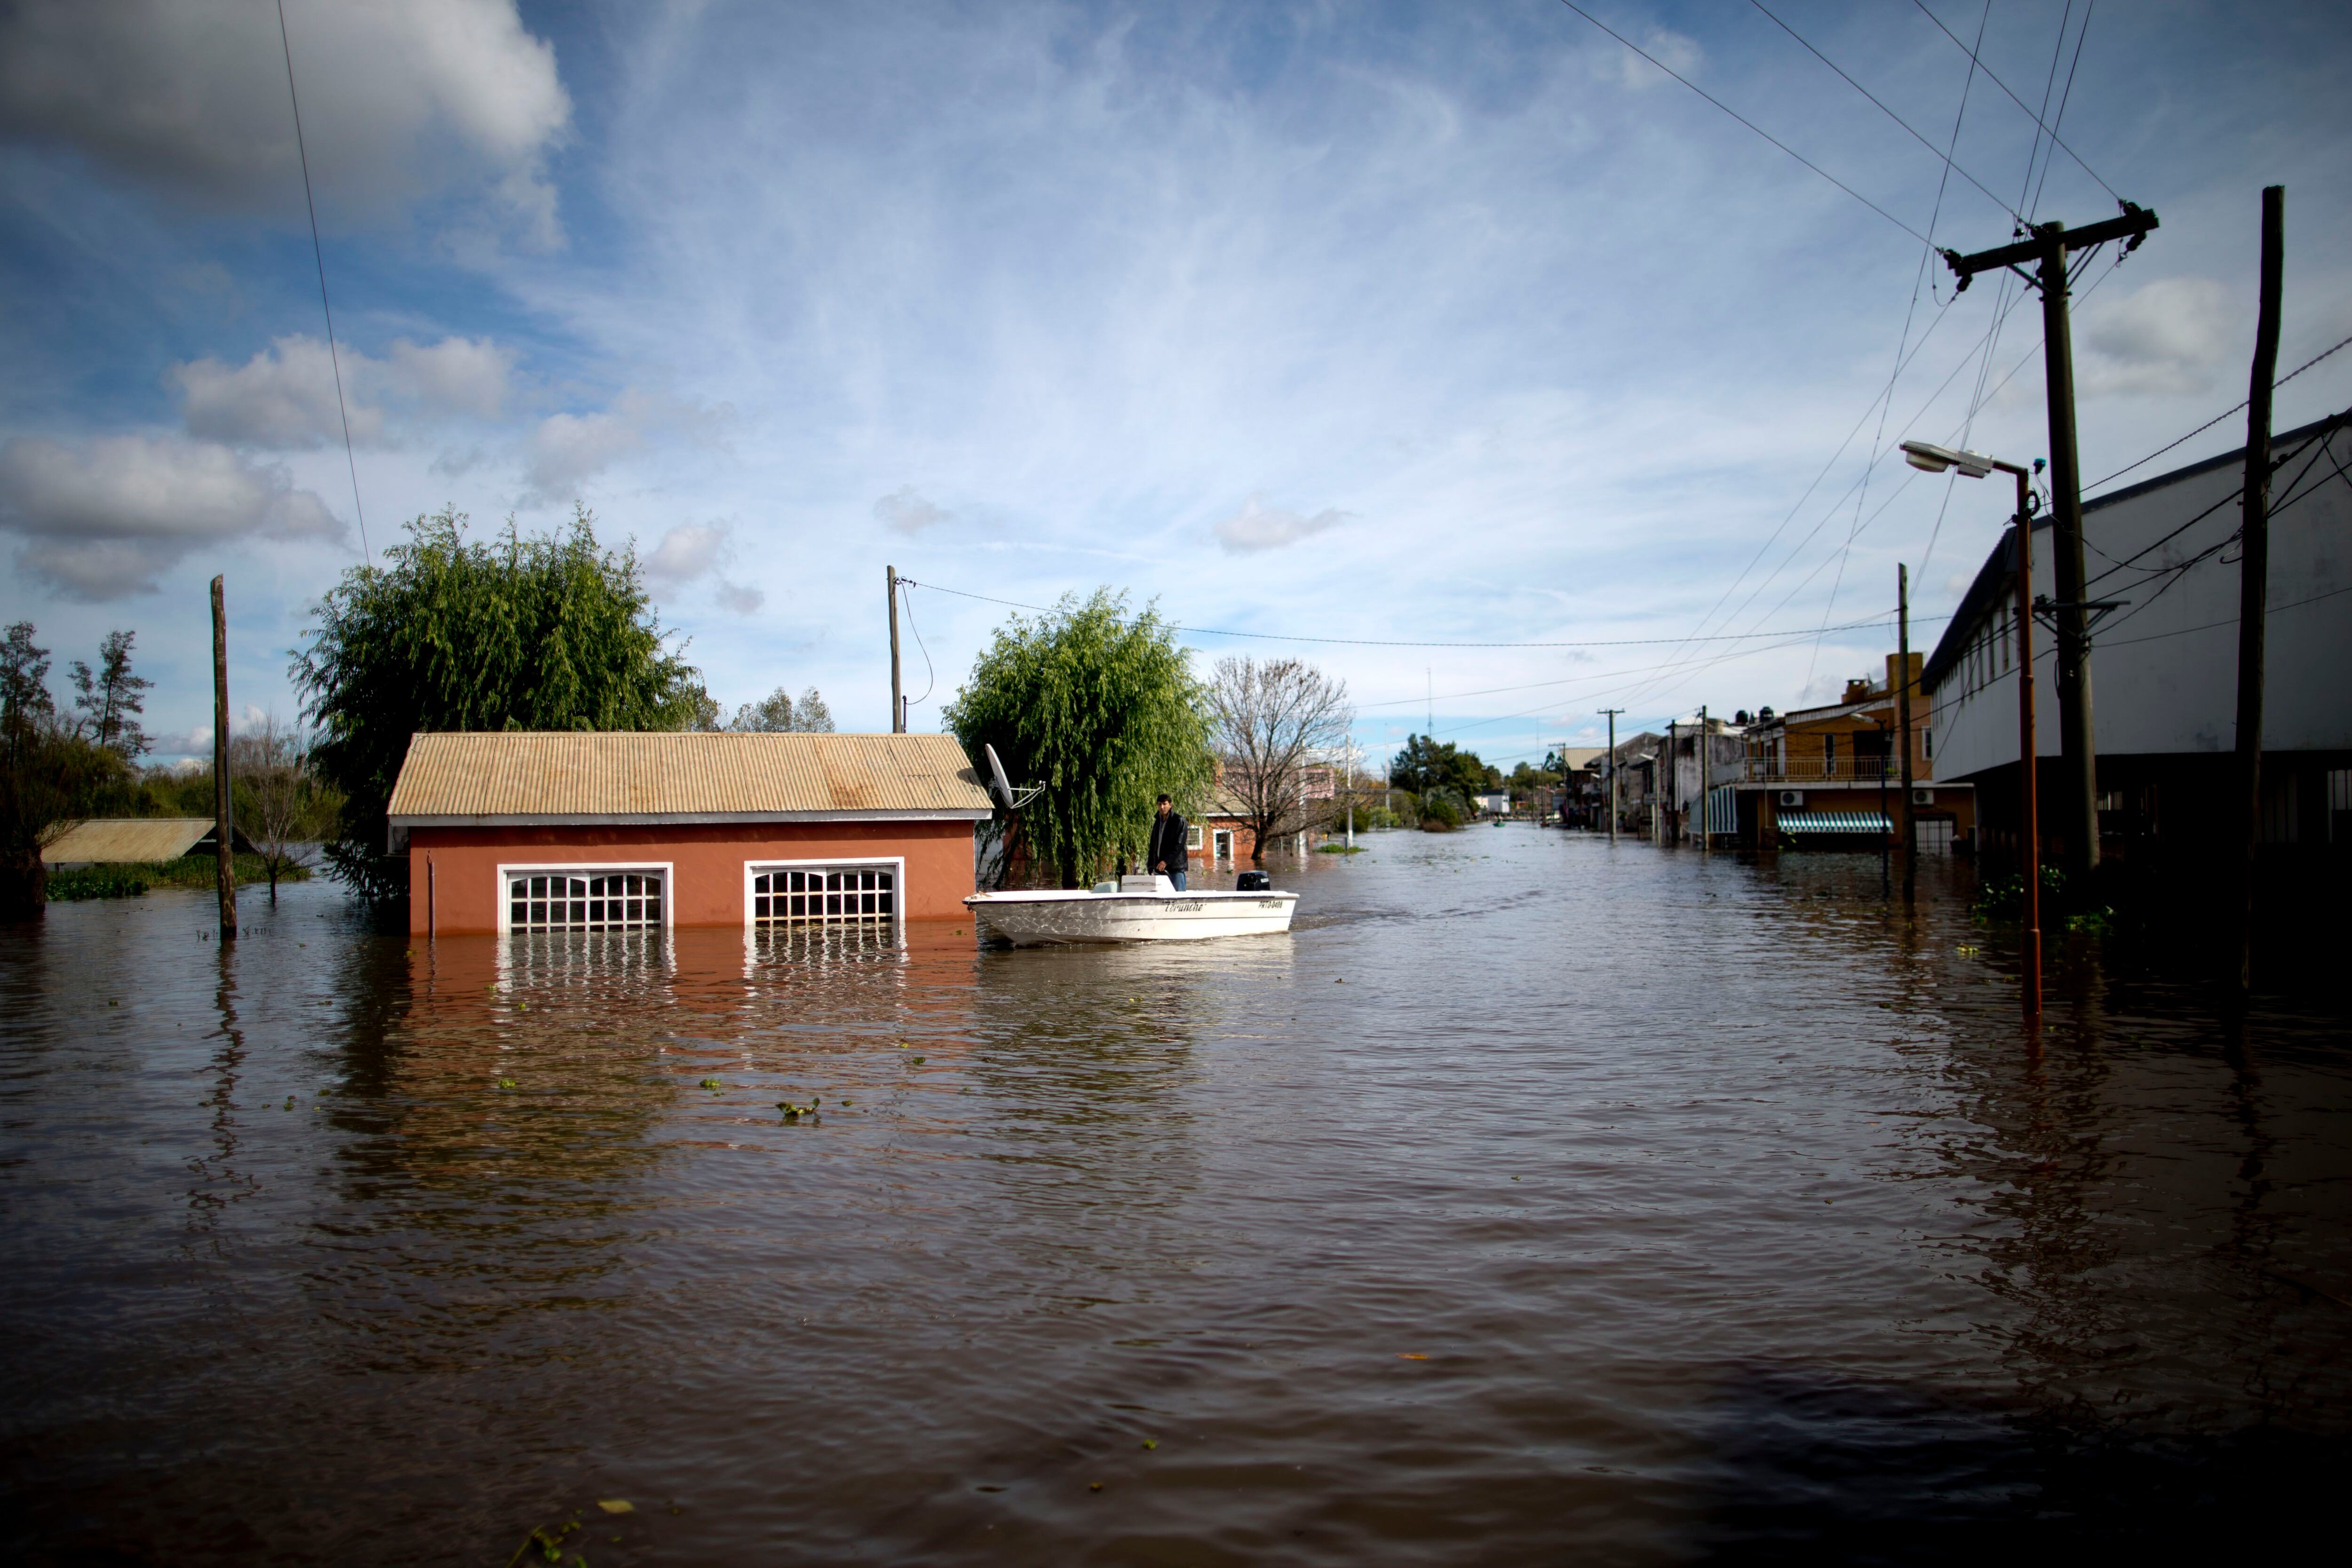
{"x":1533,"y":1202}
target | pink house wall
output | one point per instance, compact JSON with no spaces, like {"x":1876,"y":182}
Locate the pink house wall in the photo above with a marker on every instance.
{"x":453,"y":872}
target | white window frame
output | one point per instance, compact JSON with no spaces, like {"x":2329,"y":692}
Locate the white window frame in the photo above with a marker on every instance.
{"x":665,"y":869}
{"x":1191,"y":836}
{"x":1225,"y":836}
{"x":895,"y":864}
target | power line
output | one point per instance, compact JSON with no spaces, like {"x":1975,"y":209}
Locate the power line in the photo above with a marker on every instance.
{"x":319,"y":255}
{"x":1393,"y":642}
{"x":2020,"y":104}
{"x":1890,"y":114}
{"x":1743,"y":120}
{"x":1638,"y":669}
{"x":2234,"y":408}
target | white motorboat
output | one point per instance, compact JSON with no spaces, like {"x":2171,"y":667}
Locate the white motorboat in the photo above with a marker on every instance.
{"x":1132,"y":908}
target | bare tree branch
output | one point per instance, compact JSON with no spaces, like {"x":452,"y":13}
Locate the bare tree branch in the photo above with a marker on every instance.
{"x":1270,"y":723}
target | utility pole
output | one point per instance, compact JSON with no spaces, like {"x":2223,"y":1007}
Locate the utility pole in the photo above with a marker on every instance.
{"x":2048,"y":247}
{"x":1910,"y":829}
{"x":897,"y":702}
{"x":2029,"y":757}
{"x":1351,"y":792}
{"x":223,"y":848}
{"x":2253,"y":579}
{"x":1612,"y":713}
{"x":1705,"y":801}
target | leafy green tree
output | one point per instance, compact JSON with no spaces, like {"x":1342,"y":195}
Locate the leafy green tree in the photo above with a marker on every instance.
{"x":109,"y":699}
{"x":1425,"y":765}
{"x":552,"y":633}
{"x":48,"y":772}
{"x":777,"y":713}
{"x":1102,"y":711}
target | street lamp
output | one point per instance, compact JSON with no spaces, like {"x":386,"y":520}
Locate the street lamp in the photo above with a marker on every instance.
{"x":1928,"y":458}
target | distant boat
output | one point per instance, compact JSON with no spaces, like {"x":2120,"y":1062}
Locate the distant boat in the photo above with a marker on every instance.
{"x":1132,"y":908}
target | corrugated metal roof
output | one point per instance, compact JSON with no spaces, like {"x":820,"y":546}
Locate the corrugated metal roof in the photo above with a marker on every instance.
{"x":522,"y":775}
{"x":111,"y":840}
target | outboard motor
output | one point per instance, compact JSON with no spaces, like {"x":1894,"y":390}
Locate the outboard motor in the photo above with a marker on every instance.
{"x":1253,"y":882}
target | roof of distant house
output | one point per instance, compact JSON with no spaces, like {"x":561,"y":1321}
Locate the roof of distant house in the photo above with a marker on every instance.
{"x":124,"y":840}
{"x":496,"y":777}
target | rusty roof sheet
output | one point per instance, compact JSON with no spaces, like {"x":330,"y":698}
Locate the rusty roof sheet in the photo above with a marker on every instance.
{"x":537,"y":775}
{"x":110,"y":840}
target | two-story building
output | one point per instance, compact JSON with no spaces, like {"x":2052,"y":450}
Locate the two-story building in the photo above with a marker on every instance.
{"x":1828,"y":777}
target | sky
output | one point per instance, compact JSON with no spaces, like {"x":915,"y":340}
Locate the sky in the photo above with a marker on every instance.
{"x":1432,"y":333}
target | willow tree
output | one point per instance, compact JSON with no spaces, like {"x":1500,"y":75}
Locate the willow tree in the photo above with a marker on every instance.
{"x":1099,"y":710}
{"x":510,"y":633}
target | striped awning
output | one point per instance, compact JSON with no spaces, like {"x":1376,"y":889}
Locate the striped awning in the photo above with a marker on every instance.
{"x":1834,"y":822}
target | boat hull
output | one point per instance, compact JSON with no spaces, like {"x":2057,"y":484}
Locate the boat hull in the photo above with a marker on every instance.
{"x":1032,"y":919}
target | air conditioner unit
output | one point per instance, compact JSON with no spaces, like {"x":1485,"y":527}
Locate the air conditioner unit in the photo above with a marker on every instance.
{"x":1793,"y":797}
{"x":1923,"y":797}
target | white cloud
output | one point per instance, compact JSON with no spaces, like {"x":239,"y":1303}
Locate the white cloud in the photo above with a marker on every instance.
{"x":688,"y":551}
{"x":694,"y":550}
{"x":742,"y":600}
{"x":456,"y":376}
{"x":283,"y":399}
{"x":1675,"y":51}
{"x":2167,"y":336}
{"x":904,"y":512}
{"x":100,"y":520}
{"x":568,"y":449}
{"x":1260,"y":527}
{"x":189,"y":96}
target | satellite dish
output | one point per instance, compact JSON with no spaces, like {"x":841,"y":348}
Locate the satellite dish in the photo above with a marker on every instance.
{"x":1014,"y":800}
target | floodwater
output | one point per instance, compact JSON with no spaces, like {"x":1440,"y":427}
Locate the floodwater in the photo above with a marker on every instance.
{"x":1535,"y":1201}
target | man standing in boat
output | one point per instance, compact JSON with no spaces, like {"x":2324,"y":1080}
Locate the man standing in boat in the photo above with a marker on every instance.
{"x":1166,"y":853}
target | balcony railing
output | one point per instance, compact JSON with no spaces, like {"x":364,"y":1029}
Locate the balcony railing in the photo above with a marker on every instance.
{"x":1818,"y":770}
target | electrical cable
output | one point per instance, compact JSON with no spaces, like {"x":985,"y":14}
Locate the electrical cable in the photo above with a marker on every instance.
{"x":1391,"y":642}
{"x":318,"y":254}
{"x":2234,"y":408}
{"x":1949,"y":166}
{"x":1974,"y":54}
{"x":1743,"y":120}
{"x":930,"y":674}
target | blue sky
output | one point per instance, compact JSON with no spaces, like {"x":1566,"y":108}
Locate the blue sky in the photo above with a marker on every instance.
{"x":1439,"y":324}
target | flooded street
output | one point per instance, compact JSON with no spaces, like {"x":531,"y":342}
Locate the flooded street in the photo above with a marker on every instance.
{"x":1533,"y":1201}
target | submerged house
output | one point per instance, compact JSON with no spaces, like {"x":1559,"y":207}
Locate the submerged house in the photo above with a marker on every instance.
{"x":509,"y":831}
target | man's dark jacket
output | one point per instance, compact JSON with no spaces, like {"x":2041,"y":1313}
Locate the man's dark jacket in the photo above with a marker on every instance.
{"x":1167,"y":843}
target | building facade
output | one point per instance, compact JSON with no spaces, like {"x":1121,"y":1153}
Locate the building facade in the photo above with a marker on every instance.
{"x":1829,"y":777}
{"x":2164,"y":663}
{"x":535,"y":831}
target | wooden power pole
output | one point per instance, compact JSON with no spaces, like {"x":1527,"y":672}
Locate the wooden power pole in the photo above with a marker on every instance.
{"x":224,"y":849}
{"x":897,"y":702}
{"x":1909,"y":828}
{"x":2253,"y":579}
{"x":1612,"y":713}
{"x":2047,"y":247}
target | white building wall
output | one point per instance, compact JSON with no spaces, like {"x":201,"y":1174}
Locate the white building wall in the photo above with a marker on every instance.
{"x":2164,"y":666}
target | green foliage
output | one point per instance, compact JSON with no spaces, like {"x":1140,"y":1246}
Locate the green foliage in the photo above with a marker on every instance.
{"x":777,"y":713}
{"x":1443,"y":806}
{"x":50,"y":772}
{"x":130,"y":879}
{"x":109,"y":698}
{"x":512,"y":633}
{"x":1101,"y":710}
{"x":2002,"y":899}
{"x":1426,"y":763}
